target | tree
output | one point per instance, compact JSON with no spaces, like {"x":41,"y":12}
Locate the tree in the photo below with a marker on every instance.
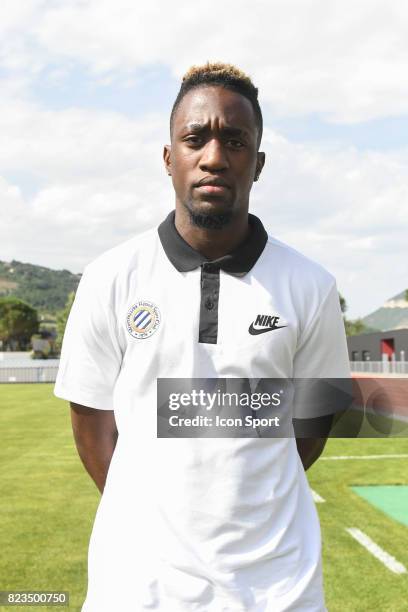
{"x":62,"y":318}
{"x":353,"y":327}
{"x":343,"y":304}
{"x":18,"y":322}
{"x":406,"y":295}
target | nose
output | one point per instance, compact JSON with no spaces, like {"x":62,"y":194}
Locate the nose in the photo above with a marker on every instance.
{"x":213,"y":156}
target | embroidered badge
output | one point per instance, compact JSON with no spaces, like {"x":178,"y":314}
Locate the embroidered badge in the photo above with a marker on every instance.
{"x":143,"y":319}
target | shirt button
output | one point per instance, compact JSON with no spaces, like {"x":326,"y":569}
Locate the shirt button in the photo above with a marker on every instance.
{"x":210,"y":268}
{"x":209,"y":304}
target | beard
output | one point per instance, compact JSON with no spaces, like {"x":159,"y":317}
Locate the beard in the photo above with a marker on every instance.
{"x":208,"y":219}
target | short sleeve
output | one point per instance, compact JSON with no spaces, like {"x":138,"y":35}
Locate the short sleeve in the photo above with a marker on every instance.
{"x":322,"y":354}
{"x":91,"y":356}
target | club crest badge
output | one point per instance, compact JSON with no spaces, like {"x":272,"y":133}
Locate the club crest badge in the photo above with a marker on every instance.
{"x":143,"y":319}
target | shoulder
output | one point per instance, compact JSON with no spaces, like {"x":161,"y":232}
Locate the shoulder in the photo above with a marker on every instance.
{"x":297,"y":267}
{"x":303,"y":283}
{"x":112,"y":263}
{"x":106,"y":277}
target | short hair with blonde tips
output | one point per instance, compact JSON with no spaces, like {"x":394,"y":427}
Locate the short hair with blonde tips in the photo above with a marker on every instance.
{"x":220,"y":74}
{"x":219,"y":69}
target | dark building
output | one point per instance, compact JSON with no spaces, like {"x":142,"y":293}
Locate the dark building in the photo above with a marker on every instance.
{"x":371,"y":347}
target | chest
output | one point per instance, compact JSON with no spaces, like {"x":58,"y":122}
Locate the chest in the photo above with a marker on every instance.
{"x":159,"y":321}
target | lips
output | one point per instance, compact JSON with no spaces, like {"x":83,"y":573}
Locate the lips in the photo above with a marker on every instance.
{"x":212,"y":188}
{"x":212,"y":185}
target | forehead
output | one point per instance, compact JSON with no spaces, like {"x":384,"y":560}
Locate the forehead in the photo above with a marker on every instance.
{"x":207,"y":105}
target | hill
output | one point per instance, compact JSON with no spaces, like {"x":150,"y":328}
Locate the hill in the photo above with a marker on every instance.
{"x":45,"y":289}
{"x":392,"y":315}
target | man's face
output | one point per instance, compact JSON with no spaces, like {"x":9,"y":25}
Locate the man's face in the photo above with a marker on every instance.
{"x":213,"y":157}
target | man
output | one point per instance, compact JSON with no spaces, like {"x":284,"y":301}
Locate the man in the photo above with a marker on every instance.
{"x":204,"y":524}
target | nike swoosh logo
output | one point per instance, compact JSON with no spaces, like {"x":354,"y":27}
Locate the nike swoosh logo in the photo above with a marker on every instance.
{"x":263,"y":330}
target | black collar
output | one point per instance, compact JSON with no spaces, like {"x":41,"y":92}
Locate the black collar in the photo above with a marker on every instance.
{"x":184,"y":258}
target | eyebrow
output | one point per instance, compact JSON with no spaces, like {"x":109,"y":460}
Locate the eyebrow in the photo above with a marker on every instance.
{"x":228,"y":131}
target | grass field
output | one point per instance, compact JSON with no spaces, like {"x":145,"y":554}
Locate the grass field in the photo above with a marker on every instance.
{"x":49,"y":502}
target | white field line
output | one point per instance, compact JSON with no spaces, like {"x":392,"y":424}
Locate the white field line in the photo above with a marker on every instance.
{"x":342,"y":457}
{"x":388,"y":560}
{"x":318,"y":499}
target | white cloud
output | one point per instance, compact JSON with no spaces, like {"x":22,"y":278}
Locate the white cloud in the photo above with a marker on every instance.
{"x":17,"y":47}
{"x":344,"y":208}
{"x":100,"y":177}
{"x":346,"y":60}
{"x":76,"y":142}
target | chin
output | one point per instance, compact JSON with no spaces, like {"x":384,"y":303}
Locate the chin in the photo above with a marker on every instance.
{"x":210,"y":206}
{"x":210,"y":214}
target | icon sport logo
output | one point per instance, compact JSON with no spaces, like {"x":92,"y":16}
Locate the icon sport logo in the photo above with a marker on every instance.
{"x":143,"y":319}
{"x":263,"y":324}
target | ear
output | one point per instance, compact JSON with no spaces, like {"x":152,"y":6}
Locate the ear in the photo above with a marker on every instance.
{"x":260,"y":162}
{"x":166,"y":158}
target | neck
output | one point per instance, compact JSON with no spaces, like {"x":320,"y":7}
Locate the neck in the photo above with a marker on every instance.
{"x":212,"y":243}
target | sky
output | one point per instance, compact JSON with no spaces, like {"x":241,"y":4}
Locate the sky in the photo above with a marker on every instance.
{"x":86,"y":91}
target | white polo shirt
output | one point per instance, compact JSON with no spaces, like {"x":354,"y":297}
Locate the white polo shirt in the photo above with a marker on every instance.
{"x":200,"y":524}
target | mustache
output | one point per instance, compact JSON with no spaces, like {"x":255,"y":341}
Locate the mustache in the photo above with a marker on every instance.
{"x":212,"y":180}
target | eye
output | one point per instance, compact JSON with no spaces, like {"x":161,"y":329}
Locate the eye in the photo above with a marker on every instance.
{"x":236,"y":144}
{"x":193,"y":140}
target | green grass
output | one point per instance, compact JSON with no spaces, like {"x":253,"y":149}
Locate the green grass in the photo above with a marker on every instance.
{"x":49,"y":503}
{"x":48,"y":500}
{"x":355,"y":581}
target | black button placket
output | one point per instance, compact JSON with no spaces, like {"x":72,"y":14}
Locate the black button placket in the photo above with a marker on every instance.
{"x":238,"y":262}
{"x":210,"y":290}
